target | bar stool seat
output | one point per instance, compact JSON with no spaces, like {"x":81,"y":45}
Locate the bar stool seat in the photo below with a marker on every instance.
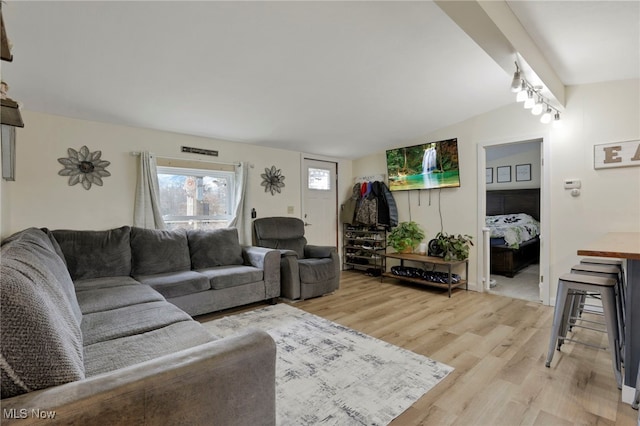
{"x":575,"y":283}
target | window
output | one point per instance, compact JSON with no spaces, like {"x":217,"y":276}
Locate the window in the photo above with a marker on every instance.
{"x":196,"y":198}
{"x":320,"y":179}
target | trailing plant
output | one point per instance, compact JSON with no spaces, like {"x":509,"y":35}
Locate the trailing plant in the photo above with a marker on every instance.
{"x":454,"y":247}
{"x":406,"y":236}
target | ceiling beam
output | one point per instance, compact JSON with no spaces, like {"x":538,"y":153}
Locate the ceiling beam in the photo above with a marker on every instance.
{"x":495,"y":28}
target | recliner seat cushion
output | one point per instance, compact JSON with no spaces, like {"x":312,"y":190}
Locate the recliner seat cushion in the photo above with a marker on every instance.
{"x":156,"y":251}
{"x":95,"y":254}
{"x":217,"y":247}
{"x":232,"y":276}
{"x":175,"y":284}
{"x":316,"y":270}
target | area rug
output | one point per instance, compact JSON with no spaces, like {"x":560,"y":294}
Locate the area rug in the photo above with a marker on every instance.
{"x":328,"y":374}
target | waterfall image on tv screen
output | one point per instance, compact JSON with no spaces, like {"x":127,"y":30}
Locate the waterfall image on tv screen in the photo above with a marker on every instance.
{"x":425,"y":166}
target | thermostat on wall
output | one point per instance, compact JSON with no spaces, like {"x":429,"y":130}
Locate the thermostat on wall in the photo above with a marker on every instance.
{"x":572,"y":184}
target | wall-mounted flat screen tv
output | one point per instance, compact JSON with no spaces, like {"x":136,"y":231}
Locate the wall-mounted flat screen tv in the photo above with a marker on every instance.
{"x":426,"y":166}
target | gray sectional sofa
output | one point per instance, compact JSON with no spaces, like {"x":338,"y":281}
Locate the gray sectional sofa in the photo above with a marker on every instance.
{"x":96,"y":328}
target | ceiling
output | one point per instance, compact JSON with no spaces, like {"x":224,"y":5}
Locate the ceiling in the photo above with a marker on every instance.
{"x":340,"y":79}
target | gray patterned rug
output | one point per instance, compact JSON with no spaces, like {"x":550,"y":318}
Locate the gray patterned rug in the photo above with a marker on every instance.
{"x":332,"y":375}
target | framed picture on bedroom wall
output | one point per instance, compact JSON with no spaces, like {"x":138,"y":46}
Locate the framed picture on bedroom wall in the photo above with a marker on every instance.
{"x":489,"y":176}
{"x":523,"y":172}
{"x":504,"y":174}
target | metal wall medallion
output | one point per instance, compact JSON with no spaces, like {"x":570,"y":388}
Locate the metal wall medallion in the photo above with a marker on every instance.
{"x":272,"y":180}
{"x":84,"y":167}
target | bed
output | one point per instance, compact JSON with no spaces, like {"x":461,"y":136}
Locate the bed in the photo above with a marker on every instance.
{"x":513,"y":217}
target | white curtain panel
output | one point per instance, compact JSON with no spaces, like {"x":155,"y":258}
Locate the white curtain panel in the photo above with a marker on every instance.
{"x":146,"y":211}
{"x":242,"y":171}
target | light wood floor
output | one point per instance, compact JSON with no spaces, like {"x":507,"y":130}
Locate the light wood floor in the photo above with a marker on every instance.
{"x":497,"y":346}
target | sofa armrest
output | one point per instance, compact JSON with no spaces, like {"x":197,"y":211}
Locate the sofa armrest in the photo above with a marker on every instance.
{"x":319,"y":251}
{"x":230,"y":381}
{"x":269,"y":261}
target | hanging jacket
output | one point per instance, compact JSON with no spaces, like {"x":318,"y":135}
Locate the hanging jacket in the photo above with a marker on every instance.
{"x":391,"y":204}
{"x":367,"y":211}
{"x":383,"y":207}
{"x":348,"y":212}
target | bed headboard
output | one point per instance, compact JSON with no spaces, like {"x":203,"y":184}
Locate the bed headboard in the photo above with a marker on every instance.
{"x":514,"y":201}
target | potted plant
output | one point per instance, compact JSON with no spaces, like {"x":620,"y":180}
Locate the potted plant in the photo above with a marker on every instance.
{"x":453,"y":247}
{"x":405,"y":237}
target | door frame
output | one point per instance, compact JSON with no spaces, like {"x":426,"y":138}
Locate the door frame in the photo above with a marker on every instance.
{"x":303,"y":179}
{"x":545,"y":196}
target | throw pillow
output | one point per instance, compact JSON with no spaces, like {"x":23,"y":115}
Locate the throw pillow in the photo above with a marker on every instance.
{"x":216,"y":247}
{"x":95,"y":254}
{"x":156,"y":251}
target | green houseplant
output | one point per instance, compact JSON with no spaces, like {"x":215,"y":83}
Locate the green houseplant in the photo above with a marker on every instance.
{"x":405,"y":237}
{"x":454,"y":247}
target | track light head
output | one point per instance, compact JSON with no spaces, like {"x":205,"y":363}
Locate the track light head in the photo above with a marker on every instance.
{"x":517,"y":83}
{"x":537,"y":107}
{"x":556,"y":121}
{"x":546,"y":117}
{"x":521,"y":96}
{"x":530,"y":101}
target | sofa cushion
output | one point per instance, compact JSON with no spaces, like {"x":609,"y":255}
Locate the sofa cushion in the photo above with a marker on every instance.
{"x":232,"y":276}
{"x":41,"y":245}
{"x":55,"y":244}
{"x":217,"y":247}
{"x":156,"y":251}
{"x":174,"y":284}
{"x":108,"y":298}
{"x":316,"y":270}
{"x":40,"y":334}
{"x":93,"y":283}
{"x":107,"y":356}
{"x":95,"y":254}
{"x":129,"y":320}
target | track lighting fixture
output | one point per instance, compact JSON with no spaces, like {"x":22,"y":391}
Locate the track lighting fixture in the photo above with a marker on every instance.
{"x":516,"y":83}
{"x":546,"y":117}
{"x":533,"y":99}
{"x":530,"y":101}
{"x":537,"y":107}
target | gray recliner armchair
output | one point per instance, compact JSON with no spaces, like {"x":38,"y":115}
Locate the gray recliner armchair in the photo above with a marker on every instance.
{"x":305,"y":270}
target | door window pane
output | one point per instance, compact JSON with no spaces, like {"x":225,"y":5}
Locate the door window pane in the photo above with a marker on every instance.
{"x":320,"y":179}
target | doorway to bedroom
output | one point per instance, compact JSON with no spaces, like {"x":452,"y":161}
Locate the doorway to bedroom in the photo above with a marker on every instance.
{"x":513,"y":185}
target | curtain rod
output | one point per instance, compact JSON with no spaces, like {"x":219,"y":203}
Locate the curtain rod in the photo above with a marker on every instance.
{"x":237,"y":163}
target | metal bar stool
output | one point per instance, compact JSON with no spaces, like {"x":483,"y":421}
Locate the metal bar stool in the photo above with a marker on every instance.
{"x":573,"y":283}
{"x":607,"y":271}
{"x":619,"y":263}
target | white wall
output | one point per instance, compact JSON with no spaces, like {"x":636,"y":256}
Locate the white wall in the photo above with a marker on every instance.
{"x":41,"y":198}
{"x":512,"y":156}
{"x":610,"y":200}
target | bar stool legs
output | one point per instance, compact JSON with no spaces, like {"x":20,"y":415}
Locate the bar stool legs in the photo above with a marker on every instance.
{"x":570,"y":283}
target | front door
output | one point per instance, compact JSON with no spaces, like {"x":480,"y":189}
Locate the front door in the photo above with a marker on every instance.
{"x":320,"y":202}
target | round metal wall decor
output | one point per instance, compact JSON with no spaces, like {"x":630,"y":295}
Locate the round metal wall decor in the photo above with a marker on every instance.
{"x":84,"y":167}
{"x":272,"y":180}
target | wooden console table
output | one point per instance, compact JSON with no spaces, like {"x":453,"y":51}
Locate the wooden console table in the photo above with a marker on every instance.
{"x":434,"y":262}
